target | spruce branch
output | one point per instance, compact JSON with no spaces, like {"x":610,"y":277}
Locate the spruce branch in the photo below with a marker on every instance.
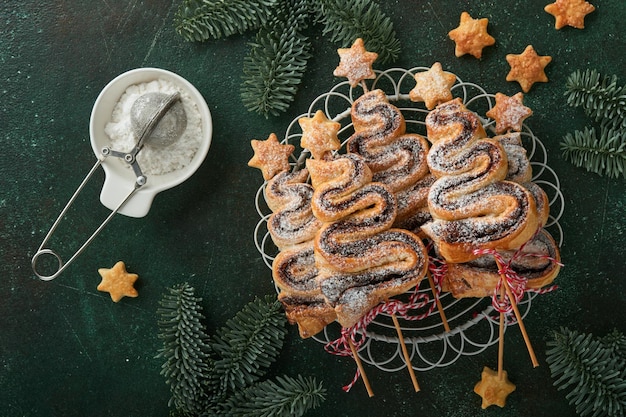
{"x":287,"y":397}
{"x":274,"y":68}
{"x":200,"y":20}
{"x":347,"y":20}
{"x":593,"y":373}
{"x":600,"y":96}
{"x":616,"y":342}
{"x":186,"y":349}
{"x":604,"y":155}
{"x":248,"y":344}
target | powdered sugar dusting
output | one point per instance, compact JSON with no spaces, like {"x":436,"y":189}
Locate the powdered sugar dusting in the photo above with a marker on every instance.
{"x":155,"y":160}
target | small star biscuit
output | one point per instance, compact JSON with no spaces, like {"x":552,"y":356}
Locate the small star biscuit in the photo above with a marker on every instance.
{"x":471,"y":36}
{"x":569,"y":13}
{"x":492,"y":389}
{"x":117,"y":282}
{"x":270,"y":156}
{"x":527,"y":68}
{"x":509,"y":112}
{"x":433,"y":86}
{"x":355,"y":63}
{"x":319,"y":135}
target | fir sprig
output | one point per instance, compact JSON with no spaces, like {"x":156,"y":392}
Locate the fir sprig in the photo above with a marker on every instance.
{"x":594,"y":373}
{"x":200,"y":20}
{"x":287,"y":397}
{"x":600,"y":96}
{"x":188,"y":363}
{"x":604,"y":101}
{"x":248,"y":344}
{"x":347,"y":20}
{"x":275,"y":66}
{"x":276,"y":63}
{"x":604,"y":155}
{"x":220,"y":376}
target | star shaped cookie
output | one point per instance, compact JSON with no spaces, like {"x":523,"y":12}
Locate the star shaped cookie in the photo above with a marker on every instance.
{"x":492,"y":389}
{"x":270,"y":156}
{"x":569,"y":13}
{"x":433,"y":86}
{"x":319,"y":135}
{"x":509,"y":112}
{"x":527,"y":68}
{"x":117,"y":282}
{"x":355,"y":63}
{"x":471,"y":36}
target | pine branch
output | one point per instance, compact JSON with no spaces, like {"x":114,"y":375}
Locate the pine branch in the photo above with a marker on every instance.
{"x":604,"y":155}
{"x":600,"y":96}
{"x":248,"y":344}
{"x":200,"y":20}
{"x":186,"y":349}
{"x":616,"y":343}
{"x":274,"y":68}
{"x":590,"y":371}
{"x":287,"y":397}
{"x":347,"y":20}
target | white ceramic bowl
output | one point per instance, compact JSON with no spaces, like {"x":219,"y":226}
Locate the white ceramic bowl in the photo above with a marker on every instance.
{"x":119,"y":180}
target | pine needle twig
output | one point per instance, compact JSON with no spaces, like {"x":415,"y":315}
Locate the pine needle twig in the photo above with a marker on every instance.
{"x":287,"y":397}
{"x":604,"y":155}
{"x":600,"y":96}
{"x":186,"y":349}
{"x":274,"y":68}
{"x":248,"y":344}
{"x":200,"y":20}
{"x":347,"y":20}
{"x":593,"y":373}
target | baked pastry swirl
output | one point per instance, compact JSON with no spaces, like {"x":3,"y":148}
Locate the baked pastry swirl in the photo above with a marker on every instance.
{"x":537,"y":262}
{"x":520,"y":171}
{"x":293,"y":227}
{"x":361,"y":260}
{"x":289,"y":197}
{"x":396,"y":159}
{"x":295,"y":274}
{"x":471,"y":204}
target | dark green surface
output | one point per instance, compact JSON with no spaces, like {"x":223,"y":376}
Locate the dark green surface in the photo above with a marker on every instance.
{"x":67,"y":350}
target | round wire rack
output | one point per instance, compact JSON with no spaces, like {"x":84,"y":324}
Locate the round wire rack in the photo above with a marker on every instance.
{"x":473,"y":322}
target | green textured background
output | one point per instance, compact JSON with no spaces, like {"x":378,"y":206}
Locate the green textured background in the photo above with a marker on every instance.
{"x":67,"y":350}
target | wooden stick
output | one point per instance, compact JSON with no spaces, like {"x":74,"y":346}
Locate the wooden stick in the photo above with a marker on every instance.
{"x":405,"y":352}
{"x":501,"y":339}
{"x":518,"y":316}
{"x":442,"y":313}
{"x":361,"y":369}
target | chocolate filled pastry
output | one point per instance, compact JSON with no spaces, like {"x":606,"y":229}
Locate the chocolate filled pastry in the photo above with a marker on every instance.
{"x":292,"y":228}
{"x":537,"y":262}
{"x":361,"y":260}
{"x":397,"y":159}
{"x":295,"y":274}
{"x":289,"y":197}
{"x":520,"y":171}
{"x":472,"y":206}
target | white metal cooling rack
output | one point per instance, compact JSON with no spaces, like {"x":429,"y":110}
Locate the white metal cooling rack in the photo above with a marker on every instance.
{"x":473,"y":322}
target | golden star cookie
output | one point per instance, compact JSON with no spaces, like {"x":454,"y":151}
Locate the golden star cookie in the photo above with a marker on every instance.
{"x":433,"y":86}
{"x":471,"y":36}
{"x":527,"y":68}
{"x":355,"y":63}
{"x":509,"y":112}
{"x":569,"y":13}
{"x":319,"y":135}
{"x":270,"y":156}
{"x":492,"y":389}
{"x":117,"y":282}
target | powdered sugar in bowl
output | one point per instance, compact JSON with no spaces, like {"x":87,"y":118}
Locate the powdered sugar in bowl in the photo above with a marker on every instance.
{"x":164,"y":167}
